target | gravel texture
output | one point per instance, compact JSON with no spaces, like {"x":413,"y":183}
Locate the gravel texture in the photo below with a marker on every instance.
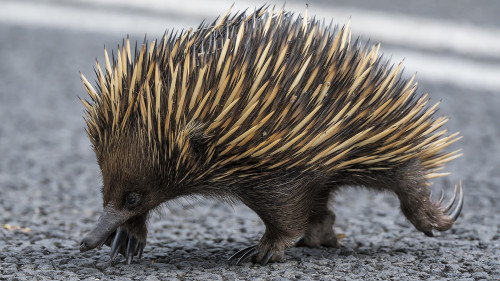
{"x":50,"y":196}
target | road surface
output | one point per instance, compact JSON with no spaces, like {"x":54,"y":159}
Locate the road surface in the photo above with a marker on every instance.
{"x":49,"y":179}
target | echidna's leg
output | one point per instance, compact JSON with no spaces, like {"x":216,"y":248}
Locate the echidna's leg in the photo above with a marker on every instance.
{"x":271,"y":247}
{"x":416,"y":204}
{"x":319,"y":230}
{"x":284,"y":213}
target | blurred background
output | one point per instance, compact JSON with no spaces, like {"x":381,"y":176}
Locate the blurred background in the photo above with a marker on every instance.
{"x":455,"y":42}
{"x":49,"y":179}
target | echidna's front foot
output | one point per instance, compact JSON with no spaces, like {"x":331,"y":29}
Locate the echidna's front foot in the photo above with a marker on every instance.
{"x":127,"y":243}
{"x":129,"y":239}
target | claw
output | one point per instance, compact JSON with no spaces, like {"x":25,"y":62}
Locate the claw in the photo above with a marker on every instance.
{"x":240,"y":253}
{"x":131,"y":247}
{"x":448,"y":207}
{"x":458,"y":209}
{"x":244,"y":254}
{"x":429,"y":233}
{"x":267,"y":257}
{"x":120,"y":237}
{"x":441,"y":197}
{"x":247,"y":255}
{"x":141,"y":249}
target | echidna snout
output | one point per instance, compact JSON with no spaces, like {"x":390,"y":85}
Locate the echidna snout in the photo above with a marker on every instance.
{"x":109,"y":221}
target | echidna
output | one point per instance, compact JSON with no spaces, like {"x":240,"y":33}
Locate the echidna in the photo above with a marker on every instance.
{"x":269,"y":109}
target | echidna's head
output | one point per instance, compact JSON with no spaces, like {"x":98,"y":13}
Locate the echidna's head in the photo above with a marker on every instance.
{"x":135,"y":181}
{"x":129,"y":187}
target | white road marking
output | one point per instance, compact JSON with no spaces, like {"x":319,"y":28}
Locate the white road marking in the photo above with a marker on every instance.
{"x":448,"y":70}
{"x":402,"y":30}
{"x":90,"y":20}
{"x":386,"y":27}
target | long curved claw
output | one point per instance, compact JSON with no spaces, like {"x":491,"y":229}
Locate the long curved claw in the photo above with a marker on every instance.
{"x":141,"y":249}
{"x":266,"y":258}
{"x":120,"y":237}
{"x":455,"y":213}
{"x":249,"y":252}
{"x":127,"y":244}
{"x":131,"y":249}
{"x":452,"y":200}
{"x":238,"y":255}
{"x":247,"y":255}
{"x":441,"y":197}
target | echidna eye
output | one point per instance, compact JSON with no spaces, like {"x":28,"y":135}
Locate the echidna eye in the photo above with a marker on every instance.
{"x":132,"y":200}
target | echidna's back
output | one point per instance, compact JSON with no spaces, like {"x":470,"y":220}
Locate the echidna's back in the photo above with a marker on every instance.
{"x":274,"y":91}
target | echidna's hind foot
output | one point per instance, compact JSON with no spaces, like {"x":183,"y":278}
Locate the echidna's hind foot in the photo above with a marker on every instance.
{"x":320,"y":231}
{"x":426,"y":214}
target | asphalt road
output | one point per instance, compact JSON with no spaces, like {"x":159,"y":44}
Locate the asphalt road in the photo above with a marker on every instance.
{"x":49,"y":179}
